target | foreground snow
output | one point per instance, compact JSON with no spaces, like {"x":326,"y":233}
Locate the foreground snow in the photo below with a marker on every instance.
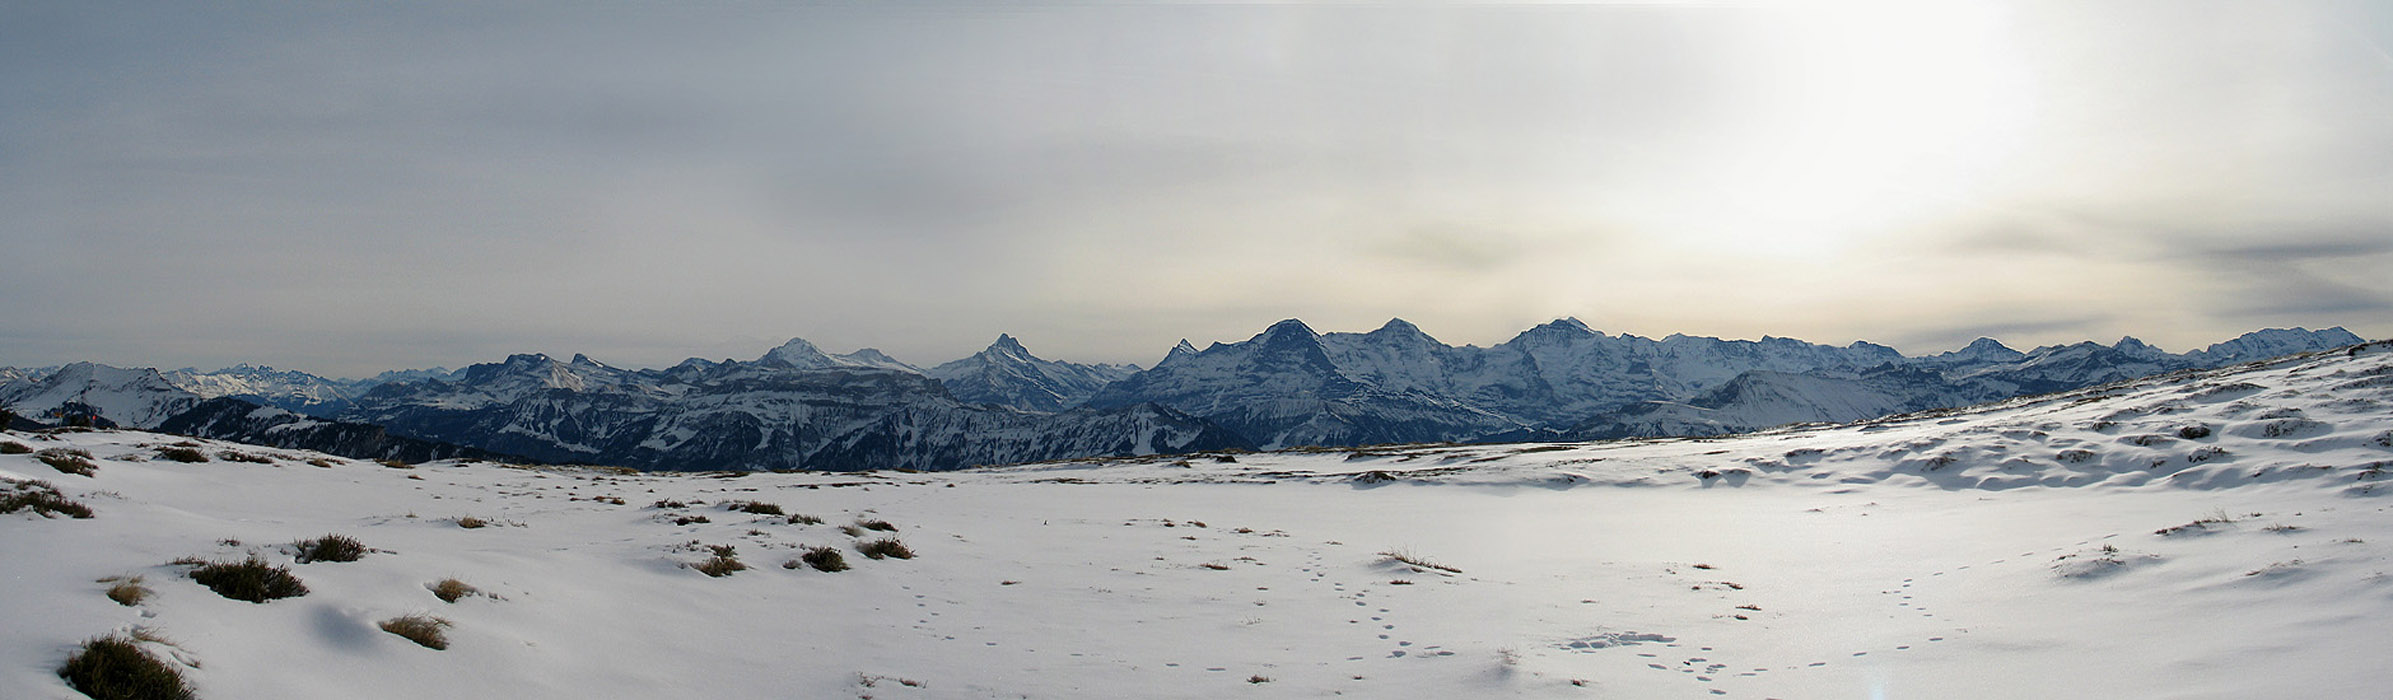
{"x":2005,"y":552}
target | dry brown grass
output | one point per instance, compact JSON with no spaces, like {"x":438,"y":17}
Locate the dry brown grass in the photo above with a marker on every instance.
{"x":426,"y":630}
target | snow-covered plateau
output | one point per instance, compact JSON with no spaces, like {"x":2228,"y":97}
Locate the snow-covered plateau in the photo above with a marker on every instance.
{"x":2198,"y":534}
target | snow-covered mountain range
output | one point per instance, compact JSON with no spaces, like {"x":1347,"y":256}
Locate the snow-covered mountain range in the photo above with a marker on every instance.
{"x":793,"y":408}
{"x":1291,"y":386}
{"x":800,"y":407}
{"x":1007,"y":374}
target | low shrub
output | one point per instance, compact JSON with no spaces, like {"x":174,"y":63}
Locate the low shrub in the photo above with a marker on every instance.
{"x":40,"y":497}
{"x":115,"y":668}
{"x":231,"y":456}
{"x":472,"y":523}
{"x":824,"y":559}
{"x":10,"y":447}
{"x":449,"y":590}
{"x":183,"y":454}
{"x":68,"y":460}
{"x":330,"y":548}
{"x":804,"y":519}
{"x":879,"y":525}
{"x":422,"y":629}
{"x":252,"y":580}
{"x":851,"y":531}
{"x":885,"y":547}
{"x":690,"y":519}
{"x":394,"y":464}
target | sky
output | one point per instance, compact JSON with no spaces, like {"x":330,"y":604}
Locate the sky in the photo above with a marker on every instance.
{"x":345,"y":188}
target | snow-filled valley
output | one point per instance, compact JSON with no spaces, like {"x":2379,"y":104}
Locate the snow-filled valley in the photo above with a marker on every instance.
{"x":2193,"y":535}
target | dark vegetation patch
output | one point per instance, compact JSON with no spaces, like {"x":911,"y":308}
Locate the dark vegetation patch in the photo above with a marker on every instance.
{"x":252,"y":580}
{"x":115,"y":668}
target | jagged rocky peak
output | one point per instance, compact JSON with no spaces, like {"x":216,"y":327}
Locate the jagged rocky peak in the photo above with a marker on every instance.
{"x":1184,"y":349}
{"x":2134,"y":347}
{"x":582,"y":360}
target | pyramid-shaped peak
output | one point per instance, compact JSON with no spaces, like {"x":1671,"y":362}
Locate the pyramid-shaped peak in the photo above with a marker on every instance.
{"x":1400,"y":330}
{"x":795,"y":353}
{"x":1006,"y":344}
{"x":1286,"y":331}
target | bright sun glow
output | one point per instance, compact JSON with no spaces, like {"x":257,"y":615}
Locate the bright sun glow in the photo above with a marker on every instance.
{"x":1873,"y":114}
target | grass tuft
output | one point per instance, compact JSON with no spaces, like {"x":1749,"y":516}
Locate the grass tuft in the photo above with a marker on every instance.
{"x":753,"y":507}
{"x":1415,"y":561}
{"x":876,"y":525}
{"x":252,"y":580}
{"x":725,"y":562}
{"x":804,"y":519}
{"x":824,"y":559}
{"x":185,"y":455}
{"x":448,"y":590}
{"x":330,"y":548}
{"x":126,"y":590}
{"x":888,"y":547}
{"x":115,"y":668}
{"x":68,"y":460}
{"x":422,"y":629}
{"x":42,"y":498}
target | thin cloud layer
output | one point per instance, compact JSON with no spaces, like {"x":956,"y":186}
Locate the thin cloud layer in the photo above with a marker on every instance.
{"x":357,"y":189}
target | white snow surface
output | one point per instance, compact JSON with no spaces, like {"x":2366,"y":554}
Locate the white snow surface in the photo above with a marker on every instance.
{"x":2005,"y":551}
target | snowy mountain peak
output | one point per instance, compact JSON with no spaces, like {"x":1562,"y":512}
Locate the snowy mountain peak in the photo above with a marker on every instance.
{"x":874,"y":358}
{"x":582,"y":360}
{"x":2132,"y":346}
{"x":798,"y":354}
{"x":1982,"y":350}
{"x":1286,"y":329}
{"x":1007,"y":344}
{"x":2273,"y":342}
{"x":1402,"y":332}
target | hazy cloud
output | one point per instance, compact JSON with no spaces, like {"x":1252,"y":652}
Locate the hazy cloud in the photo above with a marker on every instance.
{"x":349,"y":189}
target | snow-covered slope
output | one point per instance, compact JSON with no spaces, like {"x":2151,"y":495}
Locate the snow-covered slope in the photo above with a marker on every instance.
{"x":285,"y":389}
{"x":1007,"y":374}
{"x":1984,"y":371}
{"x":138,"y":398}
{"x":2200,"y":534}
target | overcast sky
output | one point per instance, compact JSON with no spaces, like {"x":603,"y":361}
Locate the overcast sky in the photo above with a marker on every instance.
{"x":382,"y":185}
